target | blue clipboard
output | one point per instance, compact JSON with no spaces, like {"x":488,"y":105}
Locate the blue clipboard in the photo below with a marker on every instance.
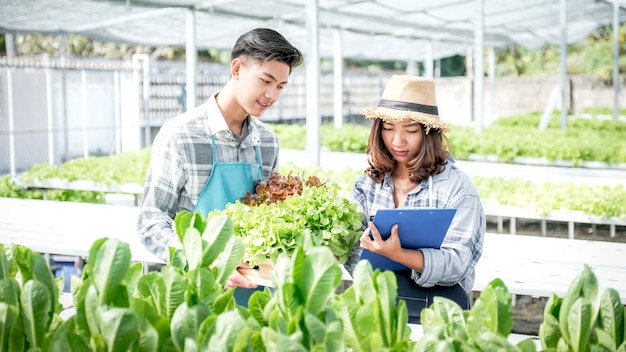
{"x":417,"y":228}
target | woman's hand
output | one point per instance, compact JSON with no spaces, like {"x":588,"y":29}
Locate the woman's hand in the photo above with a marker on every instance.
{"x":373,"y":242}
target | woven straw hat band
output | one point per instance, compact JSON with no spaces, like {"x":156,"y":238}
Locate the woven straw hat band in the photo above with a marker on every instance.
{"x":408,"y":97}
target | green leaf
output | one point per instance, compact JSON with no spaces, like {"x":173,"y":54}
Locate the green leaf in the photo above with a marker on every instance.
{"x":148,"y":337}
{"x":175,"y":288}
{"x":604,"y":341}
{"x":224,"y":301}
{"x":8,"y":314}
{"x":316,"y":329}
{"x":321,"y":276}
{"x":256,"y":305}
{"x":9,"y":291}
{"x":341,"y":304}
{"x":192,"y":245}
{"x":527,"y":345}
{"x":4,"y":264}
{"x":490,"y":341}
{"x":33,"y":266}
{"x":177,"y":258}
{"x":182,"y":221}
{"x":231,"y":257}
{"x":134,"y":273}
{"x":218,"y":232}
{"x":228,"y":327}
{"x":119,"y":328}
{"x":584,"y":286}
{"x":448,"y":310}
{"x":151,"y":287}
{"x":580,"y":324}
{"x":35,"y":303}
{"x":166,"y":290}
{"x":68,"y":341}
{"x":362,"y":281}
{"x":333,"y":340}
{"x":186,"y":323}
{"x":109,"y":268}
{"x":154,"y":329}
{"x":491,"y":311}
{"x":91,"y":310}
{"x":549,"y":332}
{"x":386,"y":288}
{"x":611,"y":316}
{"x":204,"y":285}
{"x":17,"y":340}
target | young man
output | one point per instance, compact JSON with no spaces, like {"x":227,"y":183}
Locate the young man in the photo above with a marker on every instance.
{"x":217,"y":152}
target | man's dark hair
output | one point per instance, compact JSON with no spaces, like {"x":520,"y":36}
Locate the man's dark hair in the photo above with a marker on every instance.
{"x":264,"y":44}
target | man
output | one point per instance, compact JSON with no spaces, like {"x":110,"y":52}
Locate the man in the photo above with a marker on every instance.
{"x":217,"y":152}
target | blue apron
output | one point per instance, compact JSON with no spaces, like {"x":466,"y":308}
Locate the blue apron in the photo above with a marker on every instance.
{"x":228,"y":182}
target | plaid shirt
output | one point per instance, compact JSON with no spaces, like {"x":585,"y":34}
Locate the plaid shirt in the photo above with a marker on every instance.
{"x":181,"y":164}
{"x":462,"y":247}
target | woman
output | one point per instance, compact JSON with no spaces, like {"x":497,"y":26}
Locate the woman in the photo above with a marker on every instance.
{"x":410,"y":166}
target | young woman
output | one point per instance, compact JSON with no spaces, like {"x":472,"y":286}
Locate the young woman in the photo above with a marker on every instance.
{"x":410,"y":166}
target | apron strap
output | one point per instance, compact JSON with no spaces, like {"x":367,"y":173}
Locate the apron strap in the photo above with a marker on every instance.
{"x":213,"y":148}
{"x":258,"y":155}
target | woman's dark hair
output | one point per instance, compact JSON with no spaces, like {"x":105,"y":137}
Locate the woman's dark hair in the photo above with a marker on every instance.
{"x":264,"y":44}
{"x":430,"y":159}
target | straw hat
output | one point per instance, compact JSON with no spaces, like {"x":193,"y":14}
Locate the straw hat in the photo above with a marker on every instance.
{"x":408,"y":97}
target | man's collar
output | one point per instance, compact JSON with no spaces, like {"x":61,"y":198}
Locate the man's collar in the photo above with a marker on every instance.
{"x":217,"y":122}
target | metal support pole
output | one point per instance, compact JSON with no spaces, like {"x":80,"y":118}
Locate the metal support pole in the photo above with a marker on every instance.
{"x":83,"y":83}
{"x":428,"y":59}
{"x":338,"y":78}
{"x":491,"y":63}
{"x":616,"y":82}
{"x":478,"y":65}
{"x":50,"y":116}
{"x":11,"y":120}
{"x":117,"y":101}
{"x":147,"y":138}
{"x":191,"y":54}
{"x":564,"y":79}
{"x":313,"y":118}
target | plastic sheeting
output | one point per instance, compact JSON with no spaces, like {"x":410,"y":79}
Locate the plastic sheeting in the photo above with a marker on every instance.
{"x":370,"y":29}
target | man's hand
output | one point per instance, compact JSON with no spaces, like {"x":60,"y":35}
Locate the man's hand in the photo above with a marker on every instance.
{"x":238,"y":280}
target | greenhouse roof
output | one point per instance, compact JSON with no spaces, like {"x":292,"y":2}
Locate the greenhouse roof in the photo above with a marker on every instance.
{"x":370,"y":29}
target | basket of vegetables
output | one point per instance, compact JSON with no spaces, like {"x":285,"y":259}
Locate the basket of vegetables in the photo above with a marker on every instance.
{"x":285,"y":208}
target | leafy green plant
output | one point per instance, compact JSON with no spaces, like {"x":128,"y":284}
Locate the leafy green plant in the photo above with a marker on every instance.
{"x":585,"y":319}
{"x":183,"y":307}
{"x":29,"y":301}
{"x":372,"y":319}
{"x":485,"y":327}
{"x":117,"y":307}
{"x":267,"y":230}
